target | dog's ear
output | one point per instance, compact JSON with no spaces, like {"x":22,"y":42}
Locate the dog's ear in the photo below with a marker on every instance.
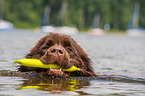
{"x":84,"y":57}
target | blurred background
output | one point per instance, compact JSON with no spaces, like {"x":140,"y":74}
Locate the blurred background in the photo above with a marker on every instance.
{"x":111,"y":32}
{"x":114,"y":15}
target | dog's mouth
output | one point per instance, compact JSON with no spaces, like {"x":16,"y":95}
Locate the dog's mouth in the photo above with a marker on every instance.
{"x":48,"y":61}
{"x":58,"y":72}
{"x":64,"y":63}
{"x":53,"y":72}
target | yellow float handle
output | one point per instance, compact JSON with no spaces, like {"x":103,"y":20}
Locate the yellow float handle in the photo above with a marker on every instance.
{"x":38,"y":64}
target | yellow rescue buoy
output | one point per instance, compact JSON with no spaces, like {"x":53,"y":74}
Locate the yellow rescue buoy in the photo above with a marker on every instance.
{"x":38,"y":64}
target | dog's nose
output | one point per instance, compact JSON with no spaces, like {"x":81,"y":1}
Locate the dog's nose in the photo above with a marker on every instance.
{"x":56,"y":51}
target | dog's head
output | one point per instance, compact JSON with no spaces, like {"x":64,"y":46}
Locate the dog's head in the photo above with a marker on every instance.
{"x":60,"y":49}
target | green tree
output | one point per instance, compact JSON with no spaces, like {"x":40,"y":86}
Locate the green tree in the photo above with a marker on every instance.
{"x":80,"y":13}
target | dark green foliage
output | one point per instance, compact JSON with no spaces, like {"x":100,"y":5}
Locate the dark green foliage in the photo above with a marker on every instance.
{"x":80,"y":13}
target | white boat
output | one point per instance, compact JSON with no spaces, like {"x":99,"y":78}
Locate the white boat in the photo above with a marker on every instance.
{"x":97,"y":32}
{"x":6,"y":26}
{"x":46,"y":27}
{"x":63,"y":29}
{"x":136,"y":32}
{"x":133,"y":28}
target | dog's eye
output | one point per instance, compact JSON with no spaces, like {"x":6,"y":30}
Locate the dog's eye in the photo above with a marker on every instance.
{"x":49,"y":42}
{"x":41,"y":52}
{"x":67,"y":43}
{"x":44,"y":47}
{"x":69,"y":49}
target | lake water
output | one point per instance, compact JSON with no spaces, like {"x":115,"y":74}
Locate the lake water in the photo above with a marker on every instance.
{"x":111,"y":55}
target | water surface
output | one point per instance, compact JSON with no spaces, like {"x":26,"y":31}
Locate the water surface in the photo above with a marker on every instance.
{"x":111,"y":55}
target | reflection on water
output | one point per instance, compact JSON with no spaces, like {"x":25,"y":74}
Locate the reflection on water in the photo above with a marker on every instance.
{"x":33,"y":80}
{"x":54,"y":85}
{"x":122,"y":56}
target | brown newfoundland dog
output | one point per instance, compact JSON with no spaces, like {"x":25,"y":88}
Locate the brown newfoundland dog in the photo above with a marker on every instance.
{"x":63,"y":50}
